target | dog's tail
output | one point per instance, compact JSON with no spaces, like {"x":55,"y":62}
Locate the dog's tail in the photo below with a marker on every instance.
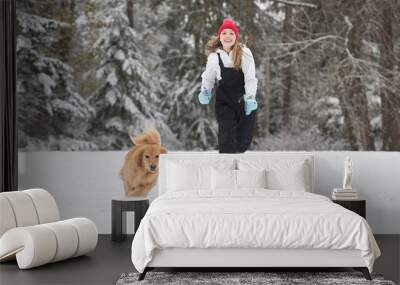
{"x":149,"y":136}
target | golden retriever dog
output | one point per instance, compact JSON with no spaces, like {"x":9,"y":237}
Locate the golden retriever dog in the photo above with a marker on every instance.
{"x":140,"y":170}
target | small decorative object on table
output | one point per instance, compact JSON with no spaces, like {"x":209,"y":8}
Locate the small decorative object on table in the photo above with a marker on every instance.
{"x":347,"y":192}
{"x":348,"y":171}
{"x":344,"y":194}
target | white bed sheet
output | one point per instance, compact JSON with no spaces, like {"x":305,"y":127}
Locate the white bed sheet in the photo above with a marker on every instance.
{"x":251,"y":218}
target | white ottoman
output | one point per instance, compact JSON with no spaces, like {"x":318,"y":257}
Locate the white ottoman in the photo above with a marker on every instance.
{"x":31,"y":233}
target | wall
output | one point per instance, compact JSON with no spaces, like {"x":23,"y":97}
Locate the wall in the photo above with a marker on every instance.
{"x":83,"y":183}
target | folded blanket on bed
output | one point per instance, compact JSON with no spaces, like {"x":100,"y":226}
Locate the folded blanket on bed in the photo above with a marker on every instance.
{"x":253,"y":218}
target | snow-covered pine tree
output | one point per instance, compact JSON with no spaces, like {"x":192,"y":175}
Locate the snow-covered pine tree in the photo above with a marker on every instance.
{"x":182,"y":61}
{"x":194,"y":126}
{"x":128,"y":97}
{"x":49,"y":108}
{"x":85,"y":35}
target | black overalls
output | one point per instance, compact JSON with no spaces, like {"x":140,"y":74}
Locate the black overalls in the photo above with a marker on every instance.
{"x":235,"y":129}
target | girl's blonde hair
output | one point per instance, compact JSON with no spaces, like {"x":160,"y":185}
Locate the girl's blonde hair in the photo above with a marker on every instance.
{"x":214,"y":43}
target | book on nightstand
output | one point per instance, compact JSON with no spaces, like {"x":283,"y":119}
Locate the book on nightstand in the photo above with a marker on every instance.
{"x":344,"y":194}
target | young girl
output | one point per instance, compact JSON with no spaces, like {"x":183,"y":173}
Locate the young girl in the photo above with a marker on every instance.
{"x":232,"y":64}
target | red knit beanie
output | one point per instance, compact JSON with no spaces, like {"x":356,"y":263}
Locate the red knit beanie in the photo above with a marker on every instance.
{"x":228,"y":24}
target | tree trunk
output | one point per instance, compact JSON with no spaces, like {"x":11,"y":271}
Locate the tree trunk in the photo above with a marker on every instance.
{"x":390,"y":101}
{"x":287,"y":70}
{"x":345,"y":105}
{"x":248,"y":20}
{"x":267,"y":92}
{"x":358,"y":108}
{"x":129,"y":12}
{"x":63,"y":11}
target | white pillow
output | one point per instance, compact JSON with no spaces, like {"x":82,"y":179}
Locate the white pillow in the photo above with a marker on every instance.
{"x":287,"y":178}
{"x":180,"y":172}
{"x":215,"y":161}
{"x":188,"y":177}
{"x":223,"y":179}
{"x":282,"y":174}
{"x":229,"y":179}
{"x":251,"y":178}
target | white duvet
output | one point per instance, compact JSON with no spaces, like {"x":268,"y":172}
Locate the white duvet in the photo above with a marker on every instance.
{"x":253,"y":218}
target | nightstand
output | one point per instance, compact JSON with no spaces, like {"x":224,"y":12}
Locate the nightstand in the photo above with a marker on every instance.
{"x":121,"y":205}
{"x":357,"y":206}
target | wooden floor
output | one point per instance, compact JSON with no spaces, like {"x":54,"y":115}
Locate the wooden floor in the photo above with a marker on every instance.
{"x":110,"y":260}
{"x":103,"y":266}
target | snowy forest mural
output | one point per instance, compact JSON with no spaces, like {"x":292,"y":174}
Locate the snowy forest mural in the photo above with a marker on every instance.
{"x":89,"y":72}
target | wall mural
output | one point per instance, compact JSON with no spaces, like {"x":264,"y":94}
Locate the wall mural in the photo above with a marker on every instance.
{"x":91,"y":73}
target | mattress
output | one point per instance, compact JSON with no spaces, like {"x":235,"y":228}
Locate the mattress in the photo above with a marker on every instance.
{"x":251,"y":219}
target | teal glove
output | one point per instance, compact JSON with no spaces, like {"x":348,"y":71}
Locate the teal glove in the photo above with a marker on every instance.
{"x":205,"y":97}
{"x":250,"y":104}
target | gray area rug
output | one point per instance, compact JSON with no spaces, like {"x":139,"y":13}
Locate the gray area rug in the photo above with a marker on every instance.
{"x":270,"y":278}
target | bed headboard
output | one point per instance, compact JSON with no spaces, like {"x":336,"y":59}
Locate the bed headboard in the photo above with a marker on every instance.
{"x":214,"y":155}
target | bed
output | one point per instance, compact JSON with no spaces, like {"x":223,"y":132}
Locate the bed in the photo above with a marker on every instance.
{"x":256,"y":209}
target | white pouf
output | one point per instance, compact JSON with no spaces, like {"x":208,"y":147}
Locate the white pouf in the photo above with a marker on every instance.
{"x":31,"y":232}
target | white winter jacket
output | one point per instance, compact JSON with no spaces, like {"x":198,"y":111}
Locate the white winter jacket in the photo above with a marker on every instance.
{"x":213,"y":71}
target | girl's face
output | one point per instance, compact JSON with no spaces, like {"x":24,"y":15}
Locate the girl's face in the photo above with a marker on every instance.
{"x":227,"y":38}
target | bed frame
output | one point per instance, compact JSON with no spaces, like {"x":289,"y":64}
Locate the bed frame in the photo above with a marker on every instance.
{"x":246,"y":259}
{"x":261,"y":259}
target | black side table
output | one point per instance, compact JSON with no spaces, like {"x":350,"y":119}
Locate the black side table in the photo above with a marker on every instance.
{"x":357,"y":206}
{"x":121,"y":205}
